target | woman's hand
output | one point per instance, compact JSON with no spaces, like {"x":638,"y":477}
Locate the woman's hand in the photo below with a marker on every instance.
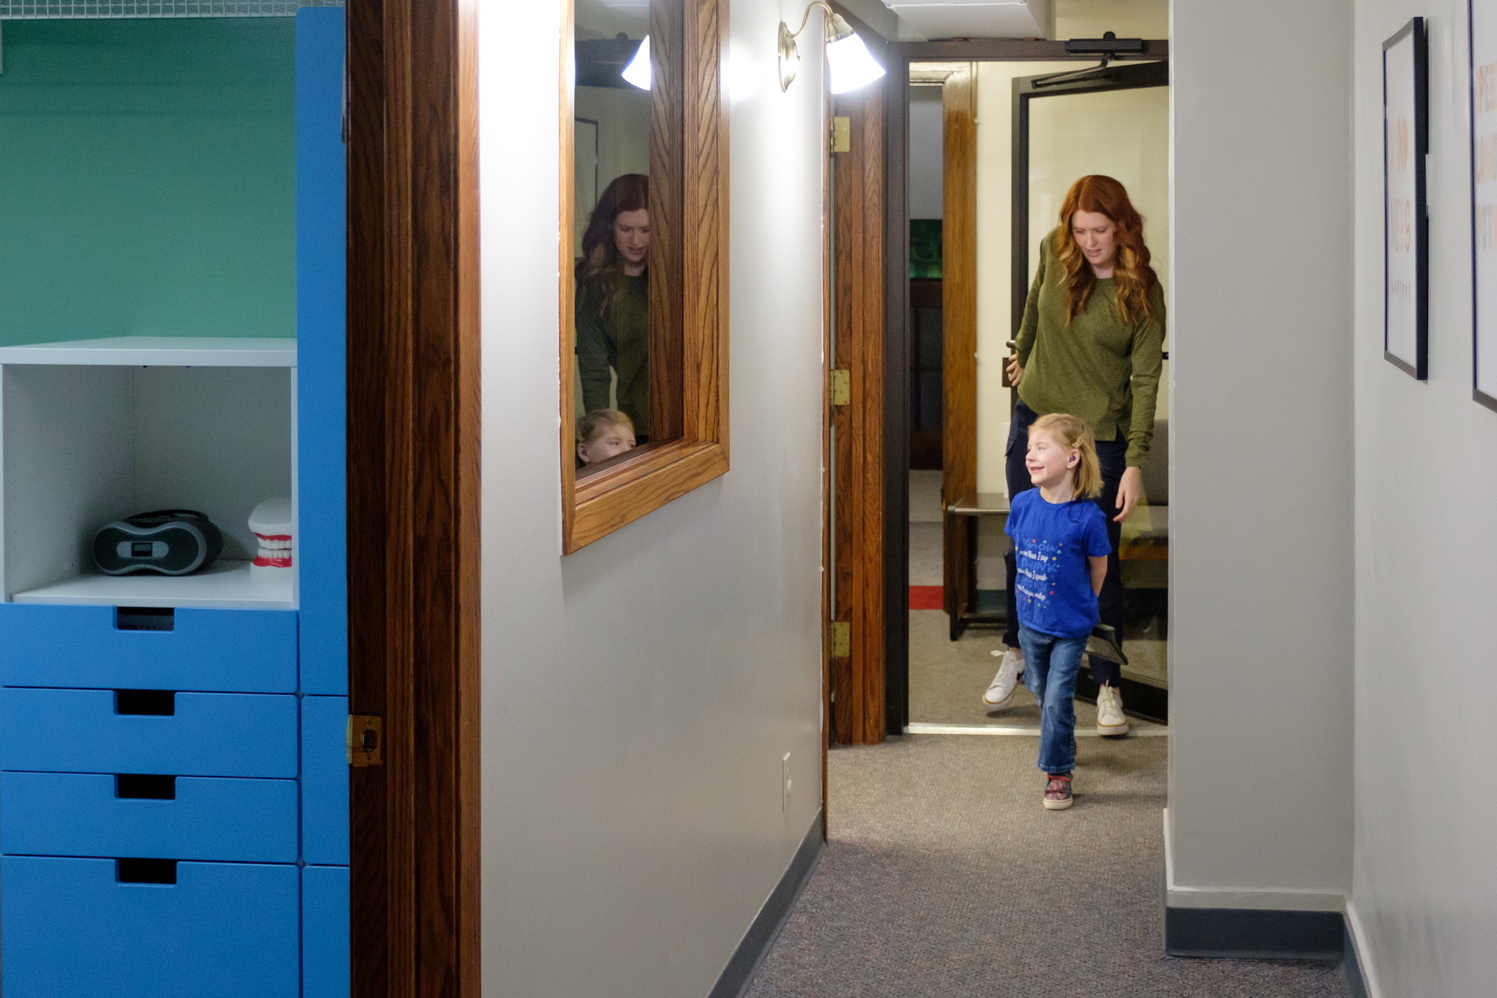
{"x":1015,"y":372}
{"x":1130,"y":490}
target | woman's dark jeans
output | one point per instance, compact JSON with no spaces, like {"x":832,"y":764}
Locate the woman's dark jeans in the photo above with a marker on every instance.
{"x":1113,"y":456}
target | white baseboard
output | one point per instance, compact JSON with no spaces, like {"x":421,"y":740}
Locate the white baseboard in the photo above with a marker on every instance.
{"x":1251,"y":898}
{"x":1364,"y":951}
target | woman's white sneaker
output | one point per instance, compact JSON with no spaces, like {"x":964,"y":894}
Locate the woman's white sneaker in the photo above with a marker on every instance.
{"x":1110,"y":718}
{"x":1001,"y":692}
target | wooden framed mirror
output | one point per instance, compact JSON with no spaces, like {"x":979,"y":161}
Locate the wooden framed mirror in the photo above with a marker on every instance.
{"x":643,"y":258}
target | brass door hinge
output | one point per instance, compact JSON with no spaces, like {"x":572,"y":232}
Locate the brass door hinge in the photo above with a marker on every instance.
{"x":366,"y":737}
{"x":840,"y":635}
{"x":841,"y":134}
{"x":841,"y":387}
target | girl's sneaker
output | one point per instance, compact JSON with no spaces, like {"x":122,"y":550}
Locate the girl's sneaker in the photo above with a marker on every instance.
{"x":1058,"y":793}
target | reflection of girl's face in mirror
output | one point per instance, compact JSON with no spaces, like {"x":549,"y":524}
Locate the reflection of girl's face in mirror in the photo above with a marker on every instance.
{"x":631,"y":237}
{"x":610,"y":441}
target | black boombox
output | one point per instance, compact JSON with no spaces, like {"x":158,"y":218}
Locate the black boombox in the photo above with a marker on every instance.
{"x":169,"y":541}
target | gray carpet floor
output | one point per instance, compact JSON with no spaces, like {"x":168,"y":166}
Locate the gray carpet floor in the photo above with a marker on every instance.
{"x":944,"y":876}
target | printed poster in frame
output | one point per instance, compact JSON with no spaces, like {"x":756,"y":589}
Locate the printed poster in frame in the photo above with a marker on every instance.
{"x":1483,"y":15}
{"x":1405,"y":227}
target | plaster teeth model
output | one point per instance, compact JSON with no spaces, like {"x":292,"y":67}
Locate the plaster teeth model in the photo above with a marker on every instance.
{"x":271,"y":523}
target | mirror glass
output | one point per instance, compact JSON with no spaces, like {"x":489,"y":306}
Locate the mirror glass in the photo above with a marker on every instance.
{"x":611,"y":249}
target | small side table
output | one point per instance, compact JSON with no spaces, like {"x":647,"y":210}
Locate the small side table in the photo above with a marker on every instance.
{"x":961,"y":528}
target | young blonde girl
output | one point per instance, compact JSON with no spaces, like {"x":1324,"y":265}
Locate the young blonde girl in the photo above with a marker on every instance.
{"x":602,"y":434}
{"x":1061,"y":547}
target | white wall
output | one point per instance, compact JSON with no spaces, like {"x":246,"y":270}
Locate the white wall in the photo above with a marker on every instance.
{"x":927,"y":140}
{"x":638,"y":695}
{"x":1426,"y":543}
{"x":1260,"y":792}
{"x":1124,"y":18}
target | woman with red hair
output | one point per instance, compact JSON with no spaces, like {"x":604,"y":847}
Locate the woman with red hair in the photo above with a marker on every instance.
{"x":1091,"y":344}
{"x":613,"y":303}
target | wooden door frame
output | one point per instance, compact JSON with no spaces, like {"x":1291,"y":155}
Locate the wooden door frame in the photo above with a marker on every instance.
{"x":413,"y":501}
{"x":859,"y":716}
{"x":855,"y":466}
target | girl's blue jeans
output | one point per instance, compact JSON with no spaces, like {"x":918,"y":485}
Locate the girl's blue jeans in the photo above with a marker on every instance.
{"x":1050,"y":667}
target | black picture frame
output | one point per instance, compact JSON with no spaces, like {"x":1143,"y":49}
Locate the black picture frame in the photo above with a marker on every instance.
{"x":1483,"y":102}
{"x":1407,"y":146}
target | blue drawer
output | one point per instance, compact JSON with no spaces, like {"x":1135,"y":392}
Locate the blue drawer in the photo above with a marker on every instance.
{"x":324,"y":780}
{"x":210,"y":734}
{"x":235,"y":651}
{"x":325,"y":936}
{"x":72,"y":814}
{"x":69,"y":929}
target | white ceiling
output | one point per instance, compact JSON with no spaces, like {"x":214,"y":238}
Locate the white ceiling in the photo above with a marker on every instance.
{"x":975,"y":18}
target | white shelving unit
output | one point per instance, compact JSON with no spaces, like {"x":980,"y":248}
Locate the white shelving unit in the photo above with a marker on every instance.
{"x":96,"y":430}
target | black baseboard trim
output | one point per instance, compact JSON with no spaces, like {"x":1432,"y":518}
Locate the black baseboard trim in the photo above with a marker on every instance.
{"x":1351,"y":965}
{"x":1254,"y":933}
{"x":735,"y":978}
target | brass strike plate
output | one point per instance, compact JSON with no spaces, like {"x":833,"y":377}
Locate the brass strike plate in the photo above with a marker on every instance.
{"x":366,"y":740}
{"x":841,"y":386}
{"x":841,"y":135}
{"x":841,"y":638}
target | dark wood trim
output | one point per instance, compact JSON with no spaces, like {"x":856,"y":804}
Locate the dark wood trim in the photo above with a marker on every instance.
{"x":897,"y":357}
{"x":689,"y":245}
{"x":959,"y":320}
{"x":413,"y":381}
{"x":1016,"y":50}
{"x":858,"y":270}
{"x":667,"y":194}
{"x":828,"y":513}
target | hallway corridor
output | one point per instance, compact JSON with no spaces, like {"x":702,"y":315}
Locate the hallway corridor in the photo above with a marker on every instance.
{"x":943,"y":876}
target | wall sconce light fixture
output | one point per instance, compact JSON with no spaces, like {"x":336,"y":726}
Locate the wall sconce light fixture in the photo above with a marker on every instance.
{"x":638,"y":70}
{"x":850,"y":62}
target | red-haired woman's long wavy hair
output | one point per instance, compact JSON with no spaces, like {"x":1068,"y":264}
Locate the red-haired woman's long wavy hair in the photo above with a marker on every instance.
{"x":1131,"y":270}
{"x":601,"y":263}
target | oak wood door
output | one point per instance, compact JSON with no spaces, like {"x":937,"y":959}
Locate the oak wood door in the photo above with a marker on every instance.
{"x":857,"y":430}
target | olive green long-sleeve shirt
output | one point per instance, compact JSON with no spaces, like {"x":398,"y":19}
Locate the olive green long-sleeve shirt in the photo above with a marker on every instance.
{"x":1097,"y":368}
{"x":620,"y":341}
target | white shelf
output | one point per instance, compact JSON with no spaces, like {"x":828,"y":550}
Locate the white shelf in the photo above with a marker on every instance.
{"x":224,"y":585}
{"x":159,"y":351}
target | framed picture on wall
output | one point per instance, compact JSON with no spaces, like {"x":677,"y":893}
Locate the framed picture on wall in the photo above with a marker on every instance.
{"x":1483,"y":54}
{"x":1405,"y":228}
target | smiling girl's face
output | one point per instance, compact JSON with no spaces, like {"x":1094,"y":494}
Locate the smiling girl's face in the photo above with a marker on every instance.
{"x":1050,"y":462}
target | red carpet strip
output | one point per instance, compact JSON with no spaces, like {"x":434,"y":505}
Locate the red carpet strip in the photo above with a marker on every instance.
{"x":925,"y":598}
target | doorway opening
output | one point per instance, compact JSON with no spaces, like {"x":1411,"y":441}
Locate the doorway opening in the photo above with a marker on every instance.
{"x":993,"y":140}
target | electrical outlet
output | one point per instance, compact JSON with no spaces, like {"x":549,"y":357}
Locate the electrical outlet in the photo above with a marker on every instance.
{"x":785,"y":778}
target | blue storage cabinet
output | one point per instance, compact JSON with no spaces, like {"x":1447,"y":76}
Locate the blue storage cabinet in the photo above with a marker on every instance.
{"x":321,"y":228}
{"x":174,"y":793}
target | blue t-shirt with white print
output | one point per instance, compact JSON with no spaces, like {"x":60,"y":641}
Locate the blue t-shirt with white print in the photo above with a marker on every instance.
{"x":1051,"y":544}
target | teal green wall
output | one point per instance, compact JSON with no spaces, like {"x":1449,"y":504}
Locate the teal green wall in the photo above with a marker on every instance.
{"x":147,"y":179}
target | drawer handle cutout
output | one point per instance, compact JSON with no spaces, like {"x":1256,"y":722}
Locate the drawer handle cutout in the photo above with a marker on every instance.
{"x":145,"y":618}
{"x":162,"y":703}
{"x":145,"y":786}
{"x":145,"y":871}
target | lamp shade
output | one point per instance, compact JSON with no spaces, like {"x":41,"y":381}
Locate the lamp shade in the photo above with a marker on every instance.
{"x":851,"y":64}
{"x":638,"y":70}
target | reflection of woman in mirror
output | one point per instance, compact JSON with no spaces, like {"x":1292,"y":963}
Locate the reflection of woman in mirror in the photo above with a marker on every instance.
{"x":613,"y":302}
{"x":1090,"y":344}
